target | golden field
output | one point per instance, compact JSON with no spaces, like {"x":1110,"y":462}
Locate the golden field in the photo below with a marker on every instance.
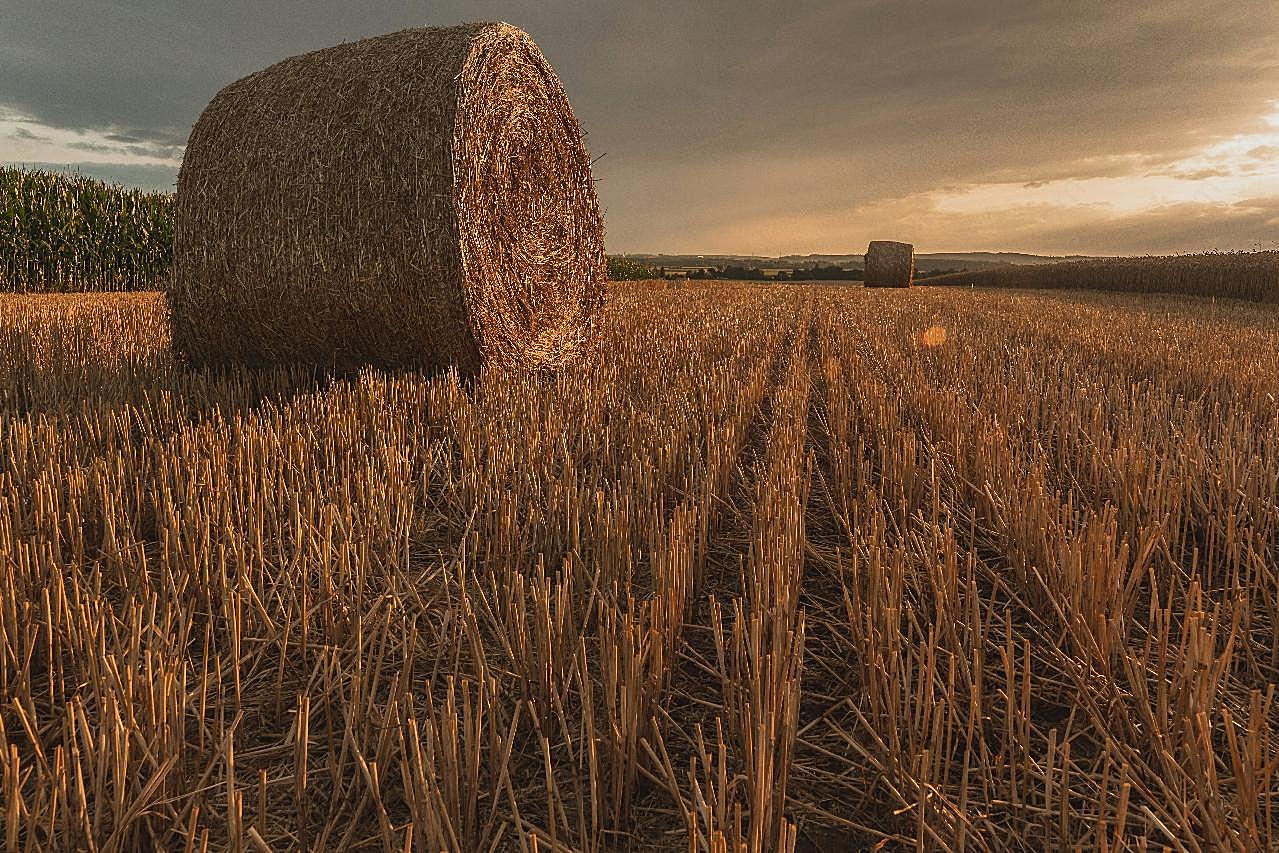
{"x":787,"y":567}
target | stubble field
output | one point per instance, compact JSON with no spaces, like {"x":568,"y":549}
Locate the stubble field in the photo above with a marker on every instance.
{"x":788,"y":566}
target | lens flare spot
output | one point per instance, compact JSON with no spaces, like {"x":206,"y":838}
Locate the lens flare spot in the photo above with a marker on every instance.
{"x":933,"y":336}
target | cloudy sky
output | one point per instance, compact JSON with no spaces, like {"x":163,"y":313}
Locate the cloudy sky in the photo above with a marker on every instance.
{"x":1053,"y":126}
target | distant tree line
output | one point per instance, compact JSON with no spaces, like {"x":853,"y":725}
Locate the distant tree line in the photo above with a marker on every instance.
{"x":823,"y":273}
{"x":734,"y":272}
{"x":730,"y":272}
{"x":625,"y":269}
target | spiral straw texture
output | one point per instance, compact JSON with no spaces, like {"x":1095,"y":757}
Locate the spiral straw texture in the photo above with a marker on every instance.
{"x":418,"y":199}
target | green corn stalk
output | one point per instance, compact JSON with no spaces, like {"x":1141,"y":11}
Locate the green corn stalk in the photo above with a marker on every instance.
{"x":69,"y":232}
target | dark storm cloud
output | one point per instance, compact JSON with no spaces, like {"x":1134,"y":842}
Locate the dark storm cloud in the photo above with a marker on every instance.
{"x":158,"y":151}
{"x":710,"y":113}
{"x":23,"y":133}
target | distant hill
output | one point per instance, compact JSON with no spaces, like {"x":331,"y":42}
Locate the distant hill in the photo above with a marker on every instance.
{"x":926,"y":262}
{"x":1017,"y":258}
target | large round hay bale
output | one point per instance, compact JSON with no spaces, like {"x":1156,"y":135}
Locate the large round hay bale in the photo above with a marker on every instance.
{"x":418,"y":199}
{"x":889,"y":264}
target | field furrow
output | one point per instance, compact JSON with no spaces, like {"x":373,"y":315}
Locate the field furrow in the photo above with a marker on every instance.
{"x":770,"y":568}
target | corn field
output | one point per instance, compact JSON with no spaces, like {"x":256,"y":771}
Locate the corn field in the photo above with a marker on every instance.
{"x":1235,"y":275}
{"x":71,"y":233}
{"x":774,"y":569}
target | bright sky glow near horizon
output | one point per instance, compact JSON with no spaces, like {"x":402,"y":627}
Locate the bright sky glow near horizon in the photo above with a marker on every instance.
{"x":1227,"y":172}
{"x":27,"y":140}
{"x":1092,"y":127}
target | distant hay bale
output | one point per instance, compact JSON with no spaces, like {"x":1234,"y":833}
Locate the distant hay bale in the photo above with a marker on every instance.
{"x":418,"y":199}
{"x":890,"y":264}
